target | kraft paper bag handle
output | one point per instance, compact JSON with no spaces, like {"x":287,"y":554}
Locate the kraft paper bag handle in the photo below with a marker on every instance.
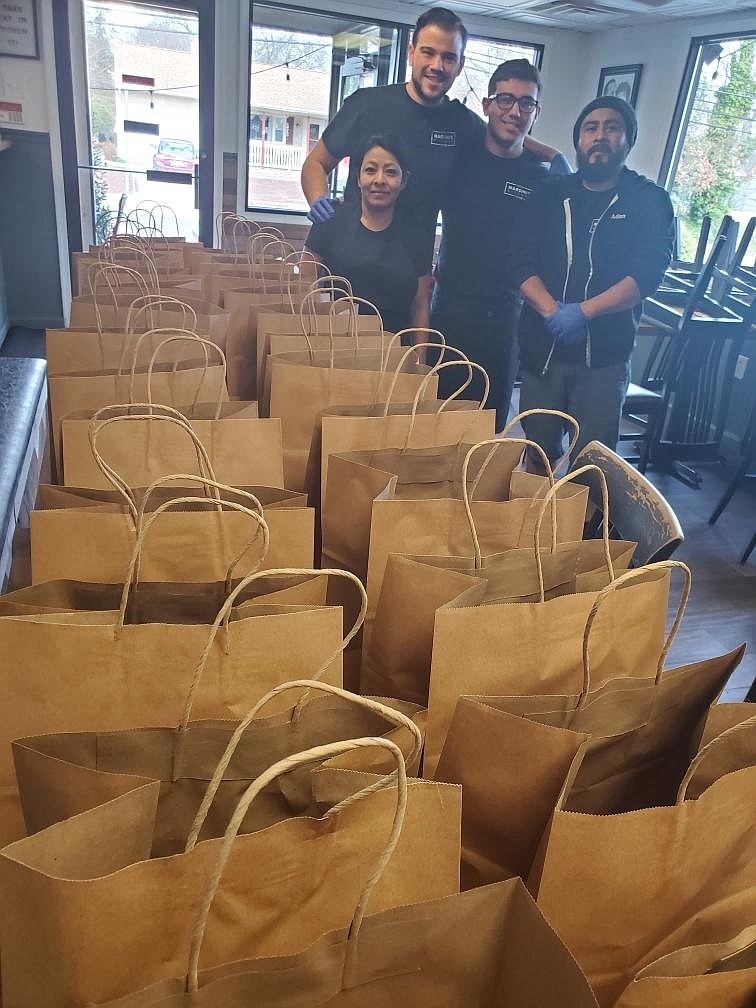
{"x":254,"y":244}
{"x":467,"y":495}
{"x":328,"y":284}
{"x":145,"y":305}
{"x":205,"y":344}
{"x":352,"y":301}
{"x":438,"y":343}
{"x":132,"y":574}
{"x":471,"y":365}
{"x":135,"y":249}
{"x":434,"y":335}
{"x":111,"y":275}
{"x":113,"y":477}
{"x":224,"y":615}
{"x":550,"y":497}
{"x":136,"y":345}
{"x":291,"y":268}
{"x":284,"y":766}
{"x":285,"y":249}
{"x":702,"y":754}
{"x":208,"y":484}
{"x":627,"y":578}
{"x":569,"y":420}
{"x":209,"y":345}
{"x":394,"y":717}
{"x":213,"y":491}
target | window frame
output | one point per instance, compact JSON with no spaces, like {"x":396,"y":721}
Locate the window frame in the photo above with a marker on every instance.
{"x":684,"y":105}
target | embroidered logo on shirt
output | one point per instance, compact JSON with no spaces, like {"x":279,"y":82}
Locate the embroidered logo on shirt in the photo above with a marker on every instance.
{"x":518,"y":191}
{"x":439,"y":138}
{"x":594,"y":225}
{"x":618,"y":216}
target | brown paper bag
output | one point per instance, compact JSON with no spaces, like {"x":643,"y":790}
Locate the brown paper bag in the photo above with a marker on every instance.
{"x":733,"y":749}
{"x":398,"y":639}
{"x":302,"y":385}
{"x":192,"y":545}
{"x":721,"y":974}
{"x":451,"y":527}
{"x":489,"y":947}
{"x":181,"y":385}
{"x":273,"y":891}
{"x":512,"y":774}
{"x":530,"y":648}
{"x":624,"y":890}
{"x":421,"y":424}
{"x":243,"y":449}
{"x":138,"y":673}
{"x":62,"y":775}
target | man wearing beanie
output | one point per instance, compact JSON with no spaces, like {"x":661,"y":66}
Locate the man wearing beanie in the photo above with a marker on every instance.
{"x":593,"y":245}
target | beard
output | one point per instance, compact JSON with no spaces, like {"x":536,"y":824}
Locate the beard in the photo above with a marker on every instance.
{"x":601,"y":171}
{"x":420,"y":85}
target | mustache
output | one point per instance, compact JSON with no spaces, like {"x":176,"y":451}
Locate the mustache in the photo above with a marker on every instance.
{"x":602,"y":148}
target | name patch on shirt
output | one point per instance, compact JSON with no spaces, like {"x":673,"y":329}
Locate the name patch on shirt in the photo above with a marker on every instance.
{"x":618,"y":216}
{"x":442,"y":138}
{"x":518,"y":191}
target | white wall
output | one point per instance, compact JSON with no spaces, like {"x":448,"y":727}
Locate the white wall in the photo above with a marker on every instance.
{"x":663,"y":51}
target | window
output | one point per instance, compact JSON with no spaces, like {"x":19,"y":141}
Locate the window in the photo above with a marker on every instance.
{"x":709,"y":166}
{"x":302,"y":67}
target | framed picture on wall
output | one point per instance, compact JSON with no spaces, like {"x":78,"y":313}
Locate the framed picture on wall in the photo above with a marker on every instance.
{"x":620,"y":81}
{"x":18,"y":29}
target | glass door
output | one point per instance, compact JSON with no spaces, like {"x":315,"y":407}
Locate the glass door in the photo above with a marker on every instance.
{"x":146,"y":156}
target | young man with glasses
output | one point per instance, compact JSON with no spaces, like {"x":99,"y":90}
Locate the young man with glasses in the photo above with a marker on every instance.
{"x":593,"y":246}
{"x":471,"y":304}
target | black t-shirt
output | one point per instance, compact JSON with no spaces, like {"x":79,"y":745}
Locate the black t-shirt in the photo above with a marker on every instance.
{"x":434,"y":138}
{"x":379,"y":264}
{"x":586,"y":207}
{"x":480,"y":213}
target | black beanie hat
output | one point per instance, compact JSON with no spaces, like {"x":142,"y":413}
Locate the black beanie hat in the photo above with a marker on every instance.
{"x":625,"y":109}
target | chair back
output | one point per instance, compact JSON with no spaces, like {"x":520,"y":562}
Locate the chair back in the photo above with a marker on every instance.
{"x":638,"y":512}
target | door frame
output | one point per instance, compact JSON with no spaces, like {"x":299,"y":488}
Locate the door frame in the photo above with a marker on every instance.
{"x":64,"y":58}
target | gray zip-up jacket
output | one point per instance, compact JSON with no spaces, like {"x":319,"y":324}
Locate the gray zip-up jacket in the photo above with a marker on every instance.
{"x":634,"y":237}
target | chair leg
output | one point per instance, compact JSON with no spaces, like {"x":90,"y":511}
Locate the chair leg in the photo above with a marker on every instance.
{"x":749,"y":549}
{"x":727,"y":495}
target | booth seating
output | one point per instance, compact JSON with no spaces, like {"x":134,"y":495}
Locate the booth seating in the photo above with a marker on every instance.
{"x":23,"y":437}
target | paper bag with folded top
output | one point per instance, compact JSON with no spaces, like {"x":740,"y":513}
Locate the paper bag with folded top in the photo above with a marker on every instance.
{"x":139,"y":661}
{"x":270,"y":892}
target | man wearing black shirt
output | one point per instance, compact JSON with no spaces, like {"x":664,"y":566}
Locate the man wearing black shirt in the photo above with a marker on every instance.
{"x":593,"y":245}
{"x":471,"y":304}
{"x":433,"y":128}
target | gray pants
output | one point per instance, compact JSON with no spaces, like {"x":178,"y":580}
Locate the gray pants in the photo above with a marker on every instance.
{"x":594,"y":396}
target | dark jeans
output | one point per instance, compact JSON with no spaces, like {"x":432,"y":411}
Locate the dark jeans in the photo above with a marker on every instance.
{"x":487,"y":333}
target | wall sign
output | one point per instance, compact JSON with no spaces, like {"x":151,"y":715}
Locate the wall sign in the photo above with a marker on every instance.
{"x":18,"y":29}
{"x":12,"y":113}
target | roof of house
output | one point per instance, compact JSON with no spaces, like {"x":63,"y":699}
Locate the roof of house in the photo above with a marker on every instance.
{"x":170,"y":69}
{"x":305,"y":93}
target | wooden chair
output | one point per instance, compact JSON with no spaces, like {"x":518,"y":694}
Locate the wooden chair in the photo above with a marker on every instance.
{"x":638,"y":512}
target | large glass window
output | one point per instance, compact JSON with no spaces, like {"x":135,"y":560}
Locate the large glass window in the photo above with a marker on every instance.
{"x":710,"y":163}
{"x":302,"y":67}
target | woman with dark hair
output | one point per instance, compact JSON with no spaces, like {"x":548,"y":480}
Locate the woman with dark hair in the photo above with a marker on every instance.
{"x":365,"y":243}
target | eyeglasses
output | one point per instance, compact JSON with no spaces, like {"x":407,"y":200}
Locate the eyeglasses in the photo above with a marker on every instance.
{"x":506,"y":101}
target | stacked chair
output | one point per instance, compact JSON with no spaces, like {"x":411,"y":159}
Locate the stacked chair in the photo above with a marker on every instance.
{"x":701,"y":316}
{"x":319,"y":697}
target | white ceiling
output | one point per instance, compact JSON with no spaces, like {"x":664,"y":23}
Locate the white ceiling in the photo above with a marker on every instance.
{"x":594,"y":15}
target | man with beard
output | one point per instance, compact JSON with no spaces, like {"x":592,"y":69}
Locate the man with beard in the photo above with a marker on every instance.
{"x":593,"y":245}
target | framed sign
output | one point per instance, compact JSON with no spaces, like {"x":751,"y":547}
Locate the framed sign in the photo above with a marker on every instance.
{"x":18,"y":29}
{"x":621,"y":82}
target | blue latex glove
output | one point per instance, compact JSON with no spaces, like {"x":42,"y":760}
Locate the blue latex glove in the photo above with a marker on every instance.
{"x":567,"y":324}
{"x":322,"y":210}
